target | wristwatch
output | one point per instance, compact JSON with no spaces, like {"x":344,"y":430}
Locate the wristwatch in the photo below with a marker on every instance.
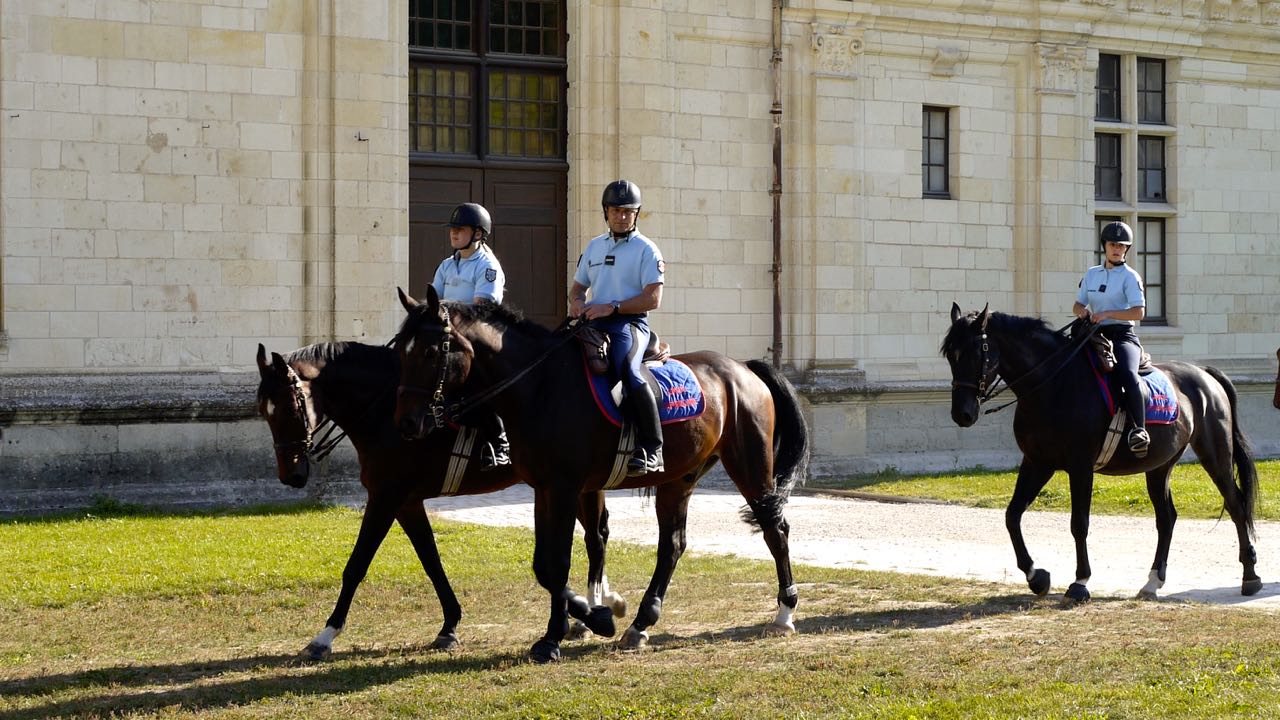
{"x":617,"y":306}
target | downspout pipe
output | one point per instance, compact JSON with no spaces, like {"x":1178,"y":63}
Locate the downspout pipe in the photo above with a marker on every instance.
{"x":775,"y":190}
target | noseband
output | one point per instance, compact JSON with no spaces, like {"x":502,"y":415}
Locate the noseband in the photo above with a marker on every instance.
{"x":986,"y":374}
{"x":437,"y":408}
{"x":307,"y":446}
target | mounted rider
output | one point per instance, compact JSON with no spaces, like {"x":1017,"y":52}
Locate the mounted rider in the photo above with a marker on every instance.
{"x":1111,"y":295}
{"x":472,"y":274}
{"x":624,"y":271}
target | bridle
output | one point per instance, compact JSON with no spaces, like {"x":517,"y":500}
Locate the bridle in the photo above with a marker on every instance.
{"x":987,"y":374}
{"x":315,"y":450}
{"x":439,"y":415}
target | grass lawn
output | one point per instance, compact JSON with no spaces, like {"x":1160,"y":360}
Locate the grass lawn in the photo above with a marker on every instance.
{"x":1194,"y":493}
{"x":204,"y":615}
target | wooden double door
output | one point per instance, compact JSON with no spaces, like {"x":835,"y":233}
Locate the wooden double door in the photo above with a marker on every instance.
{"x":529,"y":213}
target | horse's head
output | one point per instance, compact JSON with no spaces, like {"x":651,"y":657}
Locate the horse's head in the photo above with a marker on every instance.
{"x":434,"y":360}
{"x":974,"y":361}
{"x":284,"y":401}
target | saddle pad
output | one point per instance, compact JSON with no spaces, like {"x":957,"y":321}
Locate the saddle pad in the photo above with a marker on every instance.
{"x":681,"y":397}
{"x":1160,"y":401}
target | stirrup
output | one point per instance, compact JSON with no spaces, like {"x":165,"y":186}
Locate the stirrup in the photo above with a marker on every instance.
{"x":1139,"y":442}
{"x":493,"y":457}
{"x":644,"y":462}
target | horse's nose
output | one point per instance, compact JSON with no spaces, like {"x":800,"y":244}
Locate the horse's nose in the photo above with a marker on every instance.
{"x":298,"y":474}
{"x":963,"y":417}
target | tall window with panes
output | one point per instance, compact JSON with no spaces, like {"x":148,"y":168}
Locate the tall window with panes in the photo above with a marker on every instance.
{"x":935,"y":141}
{"x":486,"y":78}
{"x":1132,"y":143}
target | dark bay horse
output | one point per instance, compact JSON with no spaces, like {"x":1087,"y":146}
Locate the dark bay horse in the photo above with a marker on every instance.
{"x":353,"y":385}
{"x":1275,"y":399}
{"x":1061,"y":421}
{"x":536,"y":380}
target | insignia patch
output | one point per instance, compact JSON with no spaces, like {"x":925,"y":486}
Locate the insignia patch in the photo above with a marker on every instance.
{"x":490,"y":274}
{"x":662,"y":267}
{"x":608,"y":259}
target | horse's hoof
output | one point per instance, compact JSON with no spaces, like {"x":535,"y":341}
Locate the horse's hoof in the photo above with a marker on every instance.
{"x":445,"y":642}
{"x":1039,"y":582}
{"x":600,"y":621}
{"x":577,"y":631}
{"x":633,"y":640}
{"x":779,"y":630}
{"x":1251,"y":587}
{"x":544,"y":651}
{"x":1145,"y":594}
{"x":617,"y":603}
{"x":316,"y":652}
{"x":1077,"y":593}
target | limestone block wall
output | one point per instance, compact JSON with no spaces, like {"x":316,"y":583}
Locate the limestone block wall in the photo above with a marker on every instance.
{"x":184,"y":180}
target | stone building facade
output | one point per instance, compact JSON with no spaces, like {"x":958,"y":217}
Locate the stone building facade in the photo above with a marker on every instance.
{"x":183,"y":180}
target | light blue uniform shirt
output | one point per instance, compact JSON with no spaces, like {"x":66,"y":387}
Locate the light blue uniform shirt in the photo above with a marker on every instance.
{"x":617,"y":271}
{"x":1119,"y":288}
{"x":465,"y":279}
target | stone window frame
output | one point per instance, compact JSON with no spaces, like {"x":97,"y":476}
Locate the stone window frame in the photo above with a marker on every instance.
{"x":930,"y":160}
{"x":1146,"y":214}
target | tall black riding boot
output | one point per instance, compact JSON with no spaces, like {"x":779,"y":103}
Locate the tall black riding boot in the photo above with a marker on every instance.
{"x":644,"y":413}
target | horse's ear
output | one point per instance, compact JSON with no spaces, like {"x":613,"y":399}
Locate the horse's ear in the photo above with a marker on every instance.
{"x":955,"y":313}
{"x":408,"y":302}
{"x":984,"y":316}
{"x":433,"y":299}
{"x":277,"y":363}
{"x":262,"y":360}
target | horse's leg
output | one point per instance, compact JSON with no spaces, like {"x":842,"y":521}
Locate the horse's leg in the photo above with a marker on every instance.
{"x":1031,"y":480}
{"x":378,"y":515}
{"x":413,"y":519}
{"x":594,"y":518}
{"x":672,"y":507}
{"x":1081,"y":503}
{"x":1166,"y":515}
{"x":1216,"y":447}
{"x":553,"y":542}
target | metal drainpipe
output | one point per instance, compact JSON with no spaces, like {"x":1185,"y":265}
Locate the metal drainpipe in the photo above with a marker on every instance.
{"x":775,"y":63}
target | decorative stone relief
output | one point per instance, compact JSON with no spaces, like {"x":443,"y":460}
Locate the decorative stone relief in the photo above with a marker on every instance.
{"x":836,"y":48}
{"x":1138,"y":5}
{"x":1270,"y":12}
{"x":1193,"y":8}
{"x":1244,"y":11}
{"x":945,"y":60}
{"x":1059,"y":68}
{"x":1219,"y":9}
{"x":1165,"y":7}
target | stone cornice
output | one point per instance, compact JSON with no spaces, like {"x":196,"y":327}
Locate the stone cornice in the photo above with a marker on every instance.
{"x":126,"y":398}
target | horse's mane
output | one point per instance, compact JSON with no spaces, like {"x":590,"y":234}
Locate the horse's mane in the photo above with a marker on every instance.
{"x":1033,"y":329}
{"x":500,"y":317}
{"x":350,"y":360}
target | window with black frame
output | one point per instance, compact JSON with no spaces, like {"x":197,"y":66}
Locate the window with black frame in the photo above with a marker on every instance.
{"x":1148,"y":259}
{"x":934,"y":166}
{"x":1106,"y":167}
{"x":1151,"y":91}
{"x":486,"y":79}
{"x":1108,"y":88}
{"x":1151,"y":169}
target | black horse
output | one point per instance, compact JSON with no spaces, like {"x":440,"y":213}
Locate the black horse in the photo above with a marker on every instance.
{"x":1061,"y":421}
{"x":353,"y":385}
{"x":537,"y":381}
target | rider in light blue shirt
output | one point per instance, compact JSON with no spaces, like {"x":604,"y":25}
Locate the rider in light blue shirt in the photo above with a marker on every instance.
{"x":472,"y":274}
{"x":1111,"y":295}
{"x":624,"y":271}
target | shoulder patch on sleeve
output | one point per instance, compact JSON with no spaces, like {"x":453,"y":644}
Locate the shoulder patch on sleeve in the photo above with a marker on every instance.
{"x":662,"y":267}
{"x":490,"y":274}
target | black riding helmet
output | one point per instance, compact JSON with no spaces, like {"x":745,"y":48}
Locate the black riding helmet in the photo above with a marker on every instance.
{"x":471,"y":215}
{"x":621,"y":194}
{"x":1117,"y":232}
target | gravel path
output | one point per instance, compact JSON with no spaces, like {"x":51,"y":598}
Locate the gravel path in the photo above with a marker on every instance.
{"x":935,"y":539}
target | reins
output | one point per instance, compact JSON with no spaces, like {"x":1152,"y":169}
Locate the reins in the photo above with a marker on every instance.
{"x":1074,"y":346}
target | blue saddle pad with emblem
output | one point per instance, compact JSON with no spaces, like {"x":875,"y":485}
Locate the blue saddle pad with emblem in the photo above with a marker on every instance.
{"x":680,"y":399}
{"x":1157,"y":389}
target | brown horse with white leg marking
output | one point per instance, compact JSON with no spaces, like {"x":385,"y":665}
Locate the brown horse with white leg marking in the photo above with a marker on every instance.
{"x":563,"y":446}
{"x":353,"y":386}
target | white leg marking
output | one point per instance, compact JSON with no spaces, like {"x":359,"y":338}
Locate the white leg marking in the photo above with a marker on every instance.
{"x":784,"y":618}
{"x":1154,"y":583}
{"x":1031,"y":571}
{"x":595,"y":594}
{"x":271,"y":409}
{"x":326,"y":637}
{"x":1082,"y":581}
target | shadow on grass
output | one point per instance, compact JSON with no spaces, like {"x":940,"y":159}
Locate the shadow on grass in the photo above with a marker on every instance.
{"x":122,"y":689}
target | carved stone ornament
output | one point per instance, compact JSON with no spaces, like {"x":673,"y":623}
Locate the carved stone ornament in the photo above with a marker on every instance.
{"x":1193,"y":8}
{"x":1270,"y":12}
{"x":1138,"y":5}
{"x":945,"y":60}
{"x":1060,"y":67}
{"x":1165,"y":7}
{"x":836,"y":49}
{"x":1219,"y":9}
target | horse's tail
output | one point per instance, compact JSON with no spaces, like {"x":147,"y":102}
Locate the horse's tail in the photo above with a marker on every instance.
{"x":1241,"y":452}
{"x":790,"y":445}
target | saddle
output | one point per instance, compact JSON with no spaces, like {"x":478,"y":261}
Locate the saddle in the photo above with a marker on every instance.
{"x":1107,"y":357}
{"x":595,"y":347}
